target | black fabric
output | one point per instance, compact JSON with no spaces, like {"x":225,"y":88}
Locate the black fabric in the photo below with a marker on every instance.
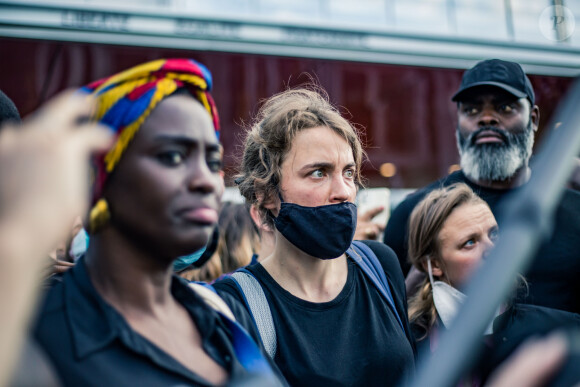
{"x":91,"y":344}
{"x":210,"y":249}
{"x":495,"y":72}
{"x":8,"y":111}
{"x":323,"y":232}
{"x":353,"y":340}
{"x":553,"y":275}
{"x":421,"y":337}
{"x":511,"y":329}
{"x":517,"y":324}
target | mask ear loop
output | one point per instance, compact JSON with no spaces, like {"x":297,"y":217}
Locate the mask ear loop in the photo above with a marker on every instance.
{"x":270,"y":214}
{"x":280,"y":196}
{"x":430,"y":271}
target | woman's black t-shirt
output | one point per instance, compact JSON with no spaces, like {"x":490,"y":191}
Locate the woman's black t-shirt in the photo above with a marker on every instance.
{"x":353,"y":340}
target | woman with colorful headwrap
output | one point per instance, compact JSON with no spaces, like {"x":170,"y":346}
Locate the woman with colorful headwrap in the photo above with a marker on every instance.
{"x":120,"y":317}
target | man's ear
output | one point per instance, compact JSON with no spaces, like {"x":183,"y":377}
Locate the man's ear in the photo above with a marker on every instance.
{"x":535,"y":117}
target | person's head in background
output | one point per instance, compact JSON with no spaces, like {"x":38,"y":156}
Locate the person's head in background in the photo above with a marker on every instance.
{"x":8,"y":111}
{"x":238,"y":241}
{"x":497,"y":119}
{"x":450,"y":231}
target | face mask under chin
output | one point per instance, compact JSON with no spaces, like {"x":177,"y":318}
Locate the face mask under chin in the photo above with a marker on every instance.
{"x":449,"y":300}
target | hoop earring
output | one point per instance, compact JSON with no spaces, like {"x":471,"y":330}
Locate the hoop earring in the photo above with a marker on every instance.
{"x":99,"y":216}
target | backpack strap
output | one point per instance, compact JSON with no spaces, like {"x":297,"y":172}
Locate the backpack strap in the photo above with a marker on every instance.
{"x":247,"y":352}
{"x":259,"y":308}
{"x":366,"y":259}
{"x":209,"y":295}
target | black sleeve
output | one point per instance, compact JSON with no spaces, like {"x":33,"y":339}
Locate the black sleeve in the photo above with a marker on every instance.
{"x":396,"y":233}
{"x":390,"y":264}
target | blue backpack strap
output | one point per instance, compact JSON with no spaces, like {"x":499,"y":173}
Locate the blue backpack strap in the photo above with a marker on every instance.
{"x":370,"y":265}
{"x":259,"y":308}
{"x":247,"y":351}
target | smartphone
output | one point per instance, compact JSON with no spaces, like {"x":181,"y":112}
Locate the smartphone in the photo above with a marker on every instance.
{"x":372,"y":197}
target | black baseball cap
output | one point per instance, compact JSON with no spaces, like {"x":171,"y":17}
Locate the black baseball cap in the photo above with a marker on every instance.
{"x":508,"y":76}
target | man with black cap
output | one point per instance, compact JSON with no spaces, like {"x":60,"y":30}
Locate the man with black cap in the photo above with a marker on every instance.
{"x":497,"y":119}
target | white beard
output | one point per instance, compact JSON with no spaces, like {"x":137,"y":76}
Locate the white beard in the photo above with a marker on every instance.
{"x":495,"y":162}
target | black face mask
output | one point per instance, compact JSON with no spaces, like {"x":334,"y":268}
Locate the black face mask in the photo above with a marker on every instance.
{"x":324,"y":232}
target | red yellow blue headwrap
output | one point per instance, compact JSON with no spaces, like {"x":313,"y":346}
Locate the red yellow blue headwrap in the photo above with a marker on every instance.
{"x":125,"y":100}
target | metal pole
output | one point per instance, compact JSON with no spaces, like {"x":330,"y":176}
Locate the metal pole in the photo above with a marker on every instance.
{"x":526,"y":221}
{"x":560,"y":22}
{"x":509,"y":19}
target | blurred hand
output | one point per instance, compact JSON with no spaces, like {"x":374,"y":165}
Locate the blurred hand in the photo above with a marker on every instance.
{"x":44,"y":184}
{"x":365,"y":227}
{"x":44,"y":170}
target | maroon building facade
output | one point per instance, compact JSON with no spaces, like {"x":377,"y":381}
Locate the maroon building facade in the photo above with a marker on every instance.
{"x":404,"y":113}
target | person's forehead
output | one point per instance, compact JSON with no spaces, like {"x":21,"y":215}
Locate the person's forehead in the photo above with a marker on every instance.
{"x":318,"y":144}
{"x":485,"y":93}
{"x":179,"y":115}
{"x":466,"y":219}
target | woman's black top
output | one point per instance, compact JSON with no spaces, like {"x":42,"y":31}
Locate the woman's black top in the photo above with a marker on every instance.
{"x":353,"y":340}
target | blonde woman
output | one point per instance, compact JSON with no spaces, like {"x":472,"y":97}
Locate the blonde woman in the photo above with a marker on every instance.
{"x":332,"y":325}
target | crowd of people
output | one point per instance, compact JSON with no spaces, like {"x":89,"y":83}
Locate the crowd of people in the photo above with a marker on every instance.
{"x":154,"y":281}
